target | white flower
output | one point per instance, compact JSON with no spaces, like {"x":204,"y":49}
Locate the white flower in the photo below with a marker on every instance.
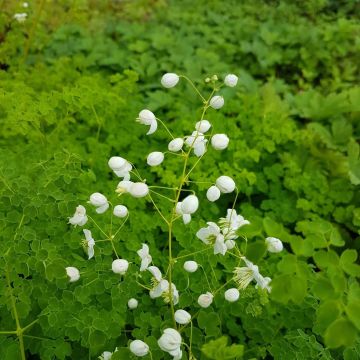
{"x":25,"y":4}
{"x":120,"y":211}
{"x":133,"y":304}
{"x":230,"y":244}
{"x":205,"y":300}
{"x":186,"y":217}
{"x":170,"y":341}
{"x":274,"y":245}
{"x":100,"y":202}
{"x":79,"y":217}
{"x":190,"y":266}
{"x":90,"y":243}
{"x":155,"y":158}
{"x":139,"y":348}
{"x":225,"y":184}
{"x":145,"y":257}
{"x":120,"y":166}
{"x":202,"y":126}
{"x":182,"y":317}
{"x":138,"y":189}
{"x":231,"y":80}
{"x":120,"y":266}
{"x":20,"y":17}
{"x":211,"y":235}
{"x":73,"y":273}
{"x":244,"y":275}
{"x":198,"y":142}
{"x":161,"y":286}
{"x":146,"y":117}
{"x":213,"y":193}
{"x":220,"y":141}
{"x":176,"y":144}
{"x":217,"y":102}
{"x":232,"y":295}
{"x":106,"y":355}
{"x":123,"y":186}
{"x":169,"y":80}
{"x":231,"y":224}
{"x":190,"y":204}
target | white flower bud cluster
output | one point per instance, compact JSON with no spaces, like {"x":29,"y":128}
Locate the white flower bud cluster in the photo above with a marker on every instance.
{"x":224,"y":184}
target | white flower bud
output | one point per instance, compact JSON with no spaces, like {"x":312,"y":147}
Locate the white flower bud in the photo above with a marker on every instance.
{"x":97,"y":199}
{"x":123,"y":186}
{"x":176,"y":144}
{"x":139,"y":348}
{"x":138,"y":189}
{"x":106,"y":355}
{"x":182,"y":317}
{"x":213,"y":193}
{"x":205,"y":300}
{"x":225,"y":184}
{"x":190,"y":266}
{"x":155,"y":158}
{"x":231,"y":80}
{"x":169,"y":80}
{"x":202,"y":126}
{"x":186,"y":218}
{"x":25,"y":4}
{"x":133,"y":304}
{"x":146,"y":117}
{"x":219,"y":141}
{"x":73,"y":273}
{"x":230,"y":244}
{"x":120,"y":211}
{"x":120,"y":266}
{"x":217,"y":102}
{"x":170,"y":340}
{"x":190,"y":204}
{"x":20,"y":17}
{"x":274,"y":245}
{"x":116,"y":163}
{"x":232,"y":295}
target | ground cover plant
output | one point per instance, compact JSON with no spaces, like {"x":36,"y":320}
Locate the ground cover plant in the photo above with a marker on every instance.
{"x":74,"y":79}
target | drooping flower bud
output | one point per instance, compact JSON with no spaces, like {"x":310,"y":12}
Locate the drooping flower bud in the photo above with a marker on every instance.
{"x":190,"y":204}
{"x":220,"y":141}
{"x":120,"y":266}
{"x":123,"y":187}
{"x":120,"y":211}
{"x":202,"y":126}
{"x":205,"y":300}
{"x":100,"y":202}
{"x":138,"y":189}
{"x":170,"y":340}
{"x":231,"y":80}
{"x":146,"y":117}
{"x":217,"y":102}
{"x":155,"y":158}
{"x":176,"y":144}
{"x":169,"y":80}
{"x":182,"y":317}
{"x":190,"y":266}
{"x":139,"y":348}
{"x":274,"y":245}
{"x":116,"y":163}
{"x":225,"y":184}
{"x":133,"y":304}
{"x":232,"y":295}
{"x":73,"y":273}
{"x":213,"y":193}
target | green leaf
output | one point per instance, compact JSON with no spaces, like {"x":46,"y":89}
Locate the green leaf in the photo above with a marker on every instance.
{"x":340,"y":333}
{"x":219,"y":350}
{"x":353,"y":312}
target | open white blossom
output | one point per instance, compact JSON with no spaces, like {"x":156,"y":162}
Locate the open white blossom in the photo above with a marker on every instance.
{"x":211,"y":235}
{"x":190,"y":204}
{"x":170,"y":341}
{"x":274,"y":245}
{"x":138,"y":189}
{"x":217,"y":102}
{"x":231,"y":223}
{"x":186,"y":217}
{"x":176,"y":145}
{"x":232,"y":295}
{"x":182,"y":317}
{"x":20,"y":17}
{"x":202,"y":126}
{"x":90,"y":243}
{"x":120,"y":211}
{"x":161,"y":286}
{"x":205,"y":300}
{"x":100,"y":202}
{"x":213,"y":193}
{"x":198,"y":142}
{"x":225,"y":184}
{"x":244,"y":275}
{"x":169,"y":80}
{"x":79,"y":217}
{"x":155,"y":158}
{"x":120,"y":166}
{"x":145,"y":257}
{"x":73,"y":273}
{"x":120,"y":266}
{"x":220,"y":141}
{"x":231,"y":80}
{"x":139,"y":348}
{"x":123,"y":187}
{"x":133,"y":304}
{"x":106,"y":355}
{"x":190,"y":266}
{"x":146,"y":117}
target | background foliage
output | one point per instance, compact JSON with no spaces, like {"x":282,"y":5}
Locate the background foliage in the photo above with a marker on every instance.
{"x":73,"y":79}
